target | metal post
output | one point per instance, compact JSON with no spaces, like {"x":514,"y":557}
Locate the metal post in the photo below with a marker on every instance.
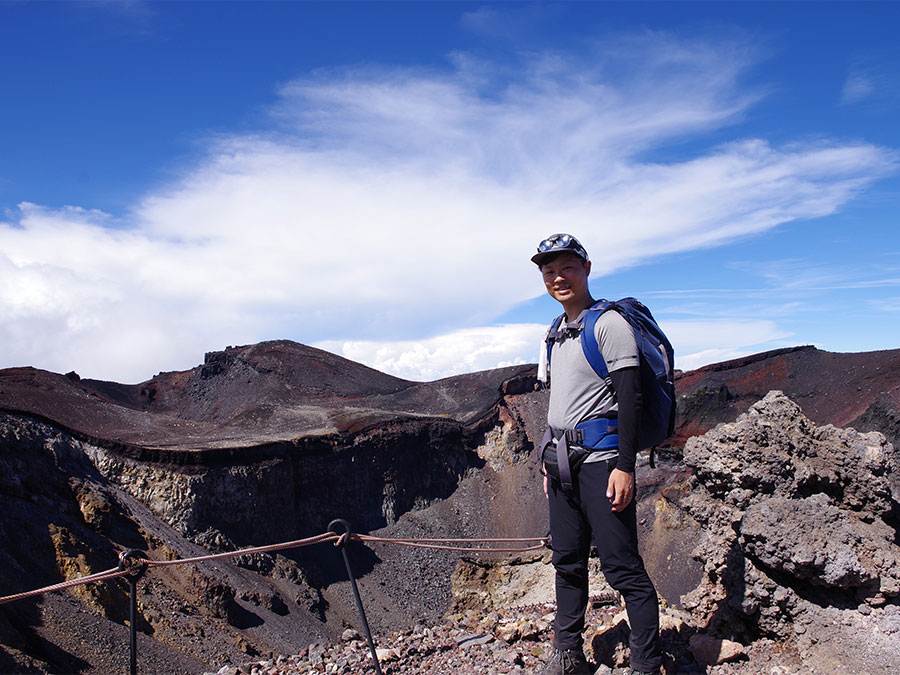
{"x":342,"y":544}
{"x":132,"y":583}
{"x":130,"y":560}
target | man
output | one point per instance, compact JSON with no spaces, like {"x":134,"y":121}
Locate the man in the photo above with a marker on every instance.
{"x":599,"y":503}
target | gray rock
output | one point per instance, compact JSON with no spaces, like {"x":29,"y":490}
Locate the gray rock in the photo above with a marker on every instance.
{"x":350,"y":634}
{"x":472,"y":640}
{"x":787,"y":535}
{"x":799,"y":527}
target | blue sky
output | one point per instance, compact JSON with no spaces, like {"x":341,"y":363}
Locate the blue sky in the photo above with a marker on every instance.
{"x":371,"y":178}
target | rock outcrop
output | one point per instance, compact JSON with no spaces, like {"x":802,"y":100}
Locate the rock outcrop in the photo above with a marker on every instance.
{"x":799,"y":535}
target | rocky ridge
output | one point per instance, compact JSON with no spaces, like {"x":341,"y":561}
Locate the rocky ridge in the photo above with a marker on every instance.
{"x":860,"y":390}
{"x":246,"y":403}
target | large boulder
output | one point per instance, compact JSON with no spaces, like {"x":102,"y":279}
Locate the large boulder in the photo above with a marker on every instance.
{"x":800,"y":534}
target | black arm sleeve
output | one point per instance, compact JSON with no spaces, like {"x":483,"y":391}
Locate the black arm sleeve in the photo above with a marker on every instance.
{"x":627,"y":385}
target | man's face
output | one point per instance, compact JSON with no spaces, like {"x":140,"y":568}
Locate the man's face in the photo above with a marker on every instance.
{"x":566,"y":278}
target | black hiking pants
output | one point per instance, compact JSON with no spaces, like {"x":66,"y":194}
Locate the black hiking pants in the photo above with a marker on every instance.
{"x":577,"y":518}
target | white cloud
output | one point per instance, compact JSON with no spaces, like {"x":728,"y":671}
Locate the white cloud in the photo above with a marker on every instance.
{"x":399,"y":205}
{"x":712,"y":355}
{"x":698,"y":343}
{"x":796,"y":275}
{"x":461,"y":351}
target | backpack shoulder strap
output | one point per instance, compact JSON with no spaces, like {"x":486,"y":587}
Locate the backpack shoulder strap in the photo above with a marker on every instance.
{"x":589,"y":338}
{"x":554,"y":327}
{"x":553,"y":334}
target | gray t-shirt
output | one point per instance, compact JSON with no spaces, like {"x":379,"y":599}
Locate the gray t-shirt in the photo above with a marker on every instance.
{"x":576,"y":392}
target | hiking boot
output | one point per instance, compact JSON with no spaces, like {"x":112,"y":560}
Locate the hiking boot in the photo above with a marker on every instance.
{"x":566,"y":662}
{"x":634,"y":671}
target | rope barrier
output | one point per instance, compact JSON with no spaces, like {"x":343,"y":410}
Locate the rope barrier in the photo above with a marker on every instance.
{"x":92,"y":578}
{"x":339,"y":540}
{"x":309,"y":541}
{"x":133,"y":564}
{"x":432,"y":544}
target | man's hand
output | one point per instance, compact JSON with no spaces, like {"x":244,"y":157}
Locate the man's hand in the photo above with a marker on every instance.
{"x":620,"y":489}
{"x":545,"y":487}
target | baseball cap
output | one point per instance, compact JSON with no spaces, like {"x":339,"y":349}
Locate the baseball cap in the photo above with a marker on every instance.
{"x":556,"y":244}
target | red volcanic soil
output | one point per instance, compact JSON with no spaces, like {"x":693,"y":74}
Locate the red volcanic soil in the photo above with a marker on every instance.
{"x":265,"y":393}
{"x":860,"y":389}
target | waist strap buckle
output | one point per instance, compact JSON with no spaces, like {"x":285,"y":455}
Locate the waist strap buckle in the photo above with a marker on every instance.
{"x":575,"y":436}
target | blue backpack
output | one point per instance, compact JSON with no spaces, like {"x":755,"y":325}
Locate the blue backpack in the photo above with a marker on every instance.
{"x":657,"y":365}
